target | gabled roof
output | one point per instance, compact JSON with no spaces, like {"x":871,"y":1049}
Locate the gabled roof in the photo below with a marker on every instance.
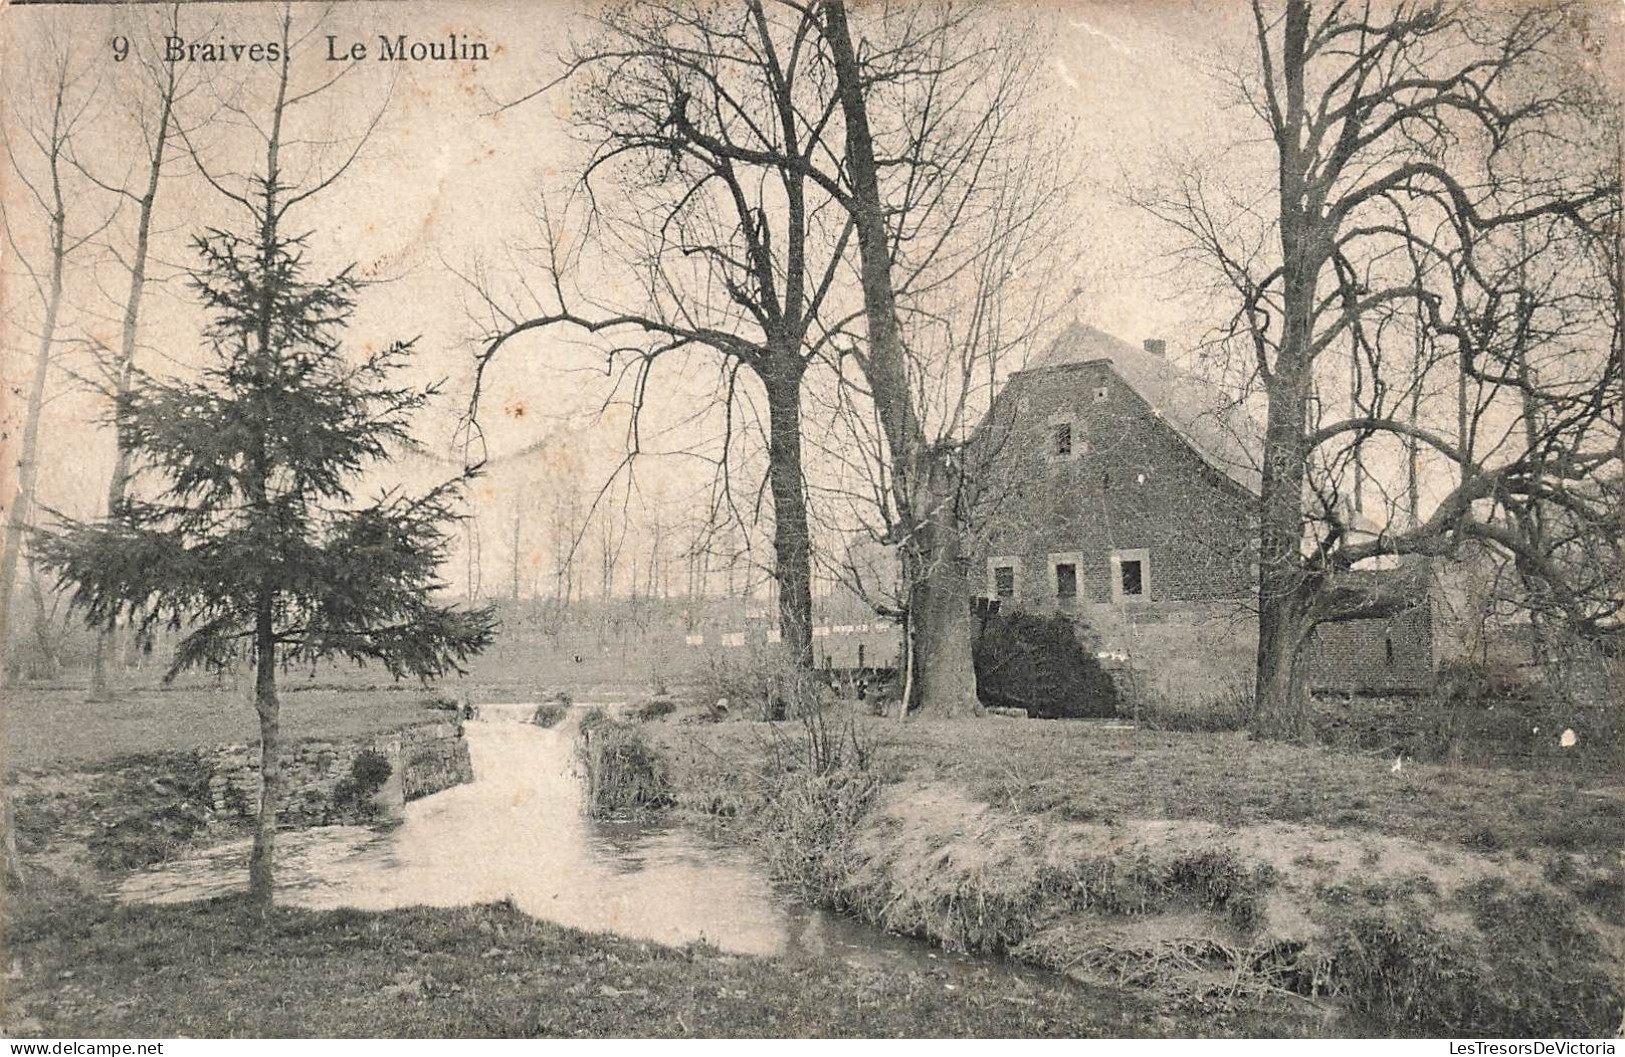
{"x":1224,"y":435}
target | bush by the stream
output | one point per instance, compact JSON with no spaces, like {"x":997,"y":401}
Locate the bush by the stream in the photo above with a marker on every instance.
{"x":625,"y":774}
{"x":655,"y":708}
{"x":368,"y":772}
{"x":549,"y":715}
{"x":1038,"y":662}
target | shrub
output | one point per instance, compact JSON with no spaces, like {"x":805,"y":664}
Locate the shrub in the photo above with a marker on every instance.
{"x":656,"y":709}
{"x":442,"y":703}
{"x":1038,"y":662}
{"x":625,"y":774}
{"x":1468,"y":682}
{"x":819,"y":784}
{"x":148,"y":818}
{"x":1459,"y":725}
{"x":549,"y":715}
{"x":806,"y":827}
{"x":760,"y":683}
{"x":368,"y":772}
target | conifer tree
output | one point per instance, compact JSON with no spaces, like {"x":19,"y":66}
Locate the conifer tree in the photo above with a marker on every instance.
{"x":243,"y":532}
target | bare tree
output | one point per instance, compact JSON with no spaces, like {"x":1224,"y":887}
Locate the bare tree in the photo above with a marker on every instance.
{"x":738,"y":120}
{"x":149,"y":108}
{"x":699,"y":124}
{"x":38,"y":135}
{"x":1390,"y":128}
{"x":952,"y":205}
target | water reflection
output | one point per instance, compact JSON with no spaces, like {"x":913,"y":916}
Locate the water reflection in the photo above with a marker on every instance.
{"x":518,"y":832}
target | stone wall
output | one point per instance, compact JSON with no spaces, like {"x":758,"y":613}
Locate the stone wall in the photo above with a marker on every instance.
{"x":1373,"y":656}
{"x":138,"y":810}
{"x":423,"y":759}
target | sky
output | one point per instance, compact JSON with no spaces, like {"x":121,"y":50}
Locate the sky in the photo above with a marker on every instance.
{"x":447,"y":182}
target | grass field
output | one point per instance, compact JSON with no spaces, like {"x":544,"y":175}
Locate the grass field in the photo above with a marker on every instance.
{"x":1084,"y":773}
{"x":86,"y":968}
{"x":1092,"y":772}
{"x":52,"y":729}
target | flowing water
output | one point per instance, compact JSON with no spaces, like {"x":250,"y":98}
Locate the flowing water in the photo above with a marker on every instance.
{"x":518,"y":831}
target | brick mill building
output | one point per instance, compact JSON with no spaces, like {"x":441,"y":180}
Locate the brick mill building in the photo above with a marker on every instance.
{"x":1125,"y":495}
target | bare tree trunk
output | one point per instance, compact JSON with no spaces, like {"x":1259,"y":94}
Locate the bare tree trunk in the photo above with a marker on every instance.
{"x":1282,"y":691}
{"x":12,"y":876}
{"x":28,"y":458}
{"x":261,"y":889}
{"x":117,"y":484}
{"x":924,"y":478}
{"x":1279,"y":704}
{"x":514,"y":587}
{"x":46,"y":638}
{"x":261,"y":882}
{"x":792,"y":564}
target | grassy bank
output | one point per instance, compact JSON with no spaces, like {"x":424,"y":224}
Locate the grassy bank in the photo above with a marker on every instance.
{"x":1219,"y":874}
{"x":60,"y":729}
{"x":90,"y":969}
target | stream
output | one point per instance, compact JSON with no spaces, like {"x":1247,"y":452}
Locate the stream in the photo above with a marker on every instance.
{"x":518,"y":831}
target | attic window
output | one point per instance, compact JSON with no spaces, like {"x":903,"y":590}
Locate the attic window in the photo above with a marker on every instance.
{"x":1063,"y":439}
{"x":1100,"y":395}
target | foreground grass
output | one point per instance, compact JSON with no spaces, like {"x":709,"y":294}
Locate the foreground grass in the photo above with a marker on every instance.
{"x":59,"y":728}
{"x":87,"y":968}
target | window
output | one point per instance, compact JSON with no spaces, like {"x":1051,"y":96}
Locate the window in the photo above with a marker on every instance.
{"x":1004,"y":581}
{"x":1100,"y":395}
{"x":1063,"y":569}
{"x":1064,"y":438}
{"x":1388,"y":649}
{"x":860,"y":655}
{"x":1004,"y":578}
{"x":1132,"y":578}
{"x":1066,"y":580}
{"x":1131,"y":575}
